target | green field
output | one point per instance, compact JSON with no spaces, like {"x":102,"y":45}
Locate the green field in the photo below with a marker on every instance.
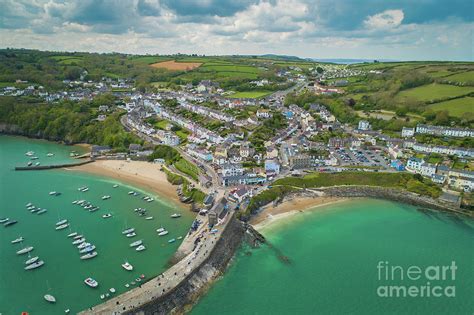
{"x":434,"y":91}
{"x":463,"y":77}
{"x":457,"y":107}
{"x":188,"y":168}
{"x":250,"y":94}
{"x":149,"y":59}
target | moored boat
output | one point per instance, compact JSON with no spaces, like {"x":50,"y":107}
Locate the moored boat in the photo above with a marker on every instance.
{"x":3,"y":220}
{"x":83,"y":245}
{"x":131,"y":234}
{"x":112,"y":290}
{"x":61,"y":222}
{"x":9,"y":223}
{"x":89,"y":255}
{"x":172,"y":240}
{"x":18,"y":240}
{"x":136,"y":243}
{"x":105,"y":197}
{"x":25,"y":250}
{"x":149,"y":218}
{"x":107,"y":215}
{"x":127,"y":266}
{"x":86,"y":250}
{"x":175,"y":215}
{"x":162,"y":233}
{"x":128,"y":231}
{"x":50,"y":298}
{"x":72,"y":234}
{"x":140,"y":248}
{"x":91,"y":282}
{"x":35,"y":265}
{"x":79,"y":241}
{"x":50,"y":154}
{"x":32,"y":260}
{"x":42,"y":211}
{"x":115,"y":186}
{"x":78,"y":236}
{"x":62,"y":227}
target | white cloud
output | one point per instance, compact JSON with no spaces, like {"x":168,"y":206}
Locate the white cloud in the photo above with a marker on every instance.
{"x":386,"y":20}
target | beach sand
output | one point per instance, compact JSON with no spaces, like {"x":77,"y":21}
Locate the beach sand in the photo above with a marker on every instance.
{"x":142,"y":174}
{"x":291,"y":207}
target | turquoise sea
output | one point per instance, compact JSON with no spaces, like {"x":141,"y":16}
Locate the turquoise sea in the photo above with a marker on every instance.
{"x":63,"y":273}
{"x":333,"y":255}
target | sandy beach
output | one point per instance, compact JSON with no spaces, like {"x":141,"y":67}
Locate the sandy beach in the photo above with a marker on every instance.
{"x":142,"y":174}
{"x":291,"y":207}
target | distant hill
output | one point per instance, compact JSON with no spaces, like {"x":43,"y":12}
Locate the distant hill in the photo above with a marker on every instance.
{"x":351,"y":61}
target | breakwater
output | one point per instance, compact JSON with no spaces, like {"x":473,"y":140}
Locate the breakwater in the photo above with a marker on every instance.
{"x":49,"y":167}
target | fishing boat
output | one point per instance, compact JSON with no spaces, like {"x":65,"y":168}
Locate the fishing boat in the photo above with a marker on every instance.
{"x":115,"y":186}
{"x":175,"y":215}
{"x":112,"y":290}
{"x":172,"y":240}
{"x":18,"y":240}
{"x":89,"y":255}
{"x":61,"y":222}
{"x":25,"y":250}
{"x":62,"y":227}
{"x":50,"y":154}
{"x":3,"y":220}
{"x":72,"y":234}
{"x":107,"y":215}
{"x":91,"y":282}
{"x":136,"y":243}
{"x":83,"y":245}
{"x":50,"y":298}
{"x":86,"y":250}
{"x":130,"y":230}
{"x":127,"y":266}
{"x":11,"y":222}
{"x":42,"y":211}
{"x":163,"y":233}
{"x":140,"y":248}
{"x":31,"y":260}
{"x":78,"y":236}
{"x":105,"y":197}
{"x":149,"y":218}
{"x":35,"y":265}
{"x":131,"y":234}
{"x":78,"y":241}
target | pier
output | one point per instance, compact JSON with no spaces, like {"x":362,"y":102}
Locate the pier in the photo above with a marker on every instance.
{"x":49,"y":167}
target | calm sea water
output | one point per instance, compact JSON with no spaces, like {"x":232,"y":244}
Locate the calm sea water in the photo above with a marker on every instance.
{"x":63,"y":272}
{"x":333,"y":254}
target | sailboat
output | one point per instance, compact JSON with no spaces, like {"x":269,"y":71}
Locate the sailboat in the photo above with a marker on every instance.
{"x":127,"y":266}
{"x":136,"y":243}
{"x":25,"y":250}
{"x":50,"y":298}
{"x":35,"y":265}
{"x":31,"y":260}
{"x":18,"y":240}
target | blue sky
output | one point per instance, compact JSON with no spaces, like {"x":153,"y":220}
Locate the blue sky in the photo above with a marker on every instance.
{"x":380,"y":29}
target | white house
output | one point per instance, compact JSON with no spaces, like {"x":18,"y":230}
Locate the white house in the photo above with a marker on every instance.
{"x":364,"y":125}
{"x":408,"y":132}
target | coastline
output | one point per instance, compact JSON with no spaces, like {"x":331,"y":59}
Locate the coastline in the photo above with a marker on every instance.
{"x":291,"y":207}
{"x":139,"y":173}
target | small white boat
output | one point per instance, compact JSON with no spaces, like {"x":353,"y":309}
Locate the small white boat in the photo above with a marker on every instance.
{"x":128,"y":231}
{"x":18,"y":240}
{"x":52,"y":193}
{"x":112,"y":290}
{"x":50,"y":298}
{"x":149,"y":218}
{"x":131,"y":234}
{"x":35,"y":265}
{"x":102,"y":296}
{"x":78,"y":236}
{"x":179,"y":238}
{"x":29,"y":163}
{"x":30,"y":153}
{"x":127,"y":285}
{"x":115,"y":186}
{"x":78,"y":241}
{"x":127,"y":266}
{"x":37,"y":163}
{"x":25,"y":250}
{"x":163,"y":233}
{"x":105,"y":197}
{"x":85,"y":189}
{"x":42,"y":211}
{"x":50,"y":154}
{"x":107,"y":215}
{"x":175,"y":215}
{"x":83,"y":245}
{"x":3,"y":220}
{"x":89,"y":255}
{"x":86,"y":250}
{"x":131,"y":192}
{"x":34,"y":158}
{"x":62,"y":227}
{"x":161,"y":229}
{"x":140,"y":248}
{"x":75,"y":202}
{"x":61,"y":222}
{"x":136,"y":243}
{"x":172,"y":240}
{"x":67,"y":311}
{"x":31,"y":260}
{"x":91,"y":282}
{"x":72,"y":234}
{"x":29,"y":204}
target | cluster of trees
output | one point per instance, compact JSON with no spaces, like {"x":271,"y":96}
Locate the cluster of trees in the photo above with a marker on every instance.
{"x":266,"y":130}
{"x":66,"y":121}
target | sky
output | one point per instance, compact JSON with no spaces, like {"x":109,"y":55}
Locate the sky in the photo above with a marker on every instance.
{"x":367,"y":29}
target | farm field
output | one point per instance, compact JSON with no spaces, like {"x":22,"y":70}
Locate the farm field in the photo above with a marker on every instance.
{"x":462,"y":77}
{"x":176,"y":66}
{"x":434,"y":91}
{"x":457,"y":107}
{"x":250,"y":94}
